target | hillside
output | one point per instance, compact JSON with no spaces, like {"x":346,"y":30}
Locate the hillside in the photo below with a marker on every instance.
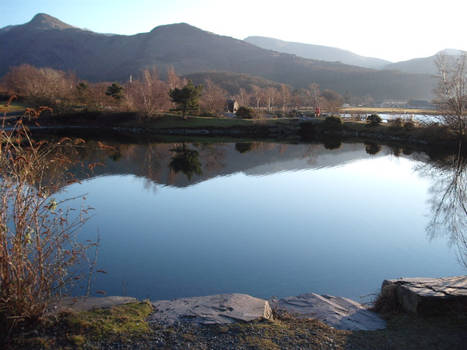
{"x":232,"y":82}
{"x":45,"y":41}
{"x":424,"y":65}
{"x":317,"y":52}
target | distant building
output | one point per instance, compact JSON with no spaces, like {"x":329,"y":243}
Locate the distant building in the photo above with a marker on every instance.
{"x":394,"y":104}
{"x":232,"y":106}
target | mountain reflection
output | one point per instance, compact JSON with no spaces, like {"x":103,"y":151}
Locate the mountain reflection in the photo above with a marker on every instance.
{"x":185,"y":164}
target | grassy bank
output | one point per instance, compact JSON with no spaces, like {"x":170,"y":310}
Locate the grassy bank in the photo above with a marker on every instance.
{"x":407,"y":133}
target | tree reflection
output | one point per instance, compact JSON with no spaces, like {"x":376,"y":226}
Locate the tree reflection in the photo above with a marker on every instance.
{"x":186,"y":161}
{"x":449,"y":200}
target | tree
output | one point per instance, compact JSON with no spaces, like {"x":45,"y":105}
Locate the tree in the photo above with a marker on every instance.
{"x":315,"y":95}
{"x":245,"y":112}
{"x":271,"y":95}
{"x":41,"y":86}
{"x":333,"y":101}
{"x":186,"y":98}
{"x":148,"y":94}
{"x":285,"y":96}
{"x":451,"y":93}
{"x":214,"y":97}
{"x":373,"y":120}
{"x":115,"y":91}
{"x":186,"y":161}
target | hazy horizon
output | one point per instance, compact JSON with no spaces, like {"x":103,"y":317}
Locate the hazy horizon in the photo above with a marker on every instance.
{"x":402,"y":31}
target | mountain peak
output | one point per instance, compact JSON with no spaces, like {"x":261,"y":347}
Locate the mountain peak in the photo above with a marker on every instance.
{"x":176,"y":27}
{"x":44,"y":21}
{"x":451,"y":52}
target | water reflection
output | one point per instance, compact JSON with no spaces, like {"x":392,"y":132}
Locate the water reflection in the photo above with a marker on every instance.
{"x":186,"y":161}
{"x":449,"y":200}
{"x":266,"y":218}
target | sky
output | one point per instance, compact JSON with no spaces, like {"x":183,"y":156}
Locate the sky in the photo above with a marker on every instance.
{"x":393,"y":30}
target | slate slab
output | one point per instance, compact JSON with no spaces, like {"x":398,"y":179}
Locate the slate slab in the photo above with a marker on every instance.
{"x":427,"y":295}
{"x":212,"y":309}
{"x":337,"y":312}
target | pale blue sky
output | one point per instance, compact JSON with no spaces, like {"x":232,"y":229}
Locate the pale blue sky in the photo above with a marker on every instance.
{"x":393,"y":30}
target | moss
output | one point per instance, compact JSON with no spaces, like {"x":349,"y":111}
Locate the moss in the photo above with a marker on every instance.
{"x":77,"y":340}
{"x":120,"y":321}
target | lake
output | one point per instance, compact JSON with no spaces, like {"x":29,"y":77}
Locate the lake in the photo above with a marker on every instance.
{"x":267,"y":219}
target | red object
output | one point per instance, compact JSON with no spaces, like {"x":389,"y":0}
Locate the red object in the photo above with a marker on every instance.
{"x":317,"y":111}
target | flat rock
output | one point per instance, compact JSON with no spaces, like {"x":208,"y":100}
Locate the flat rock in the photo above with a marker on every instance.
{"x":427,"y":295}
{"x":212,"y":309}
{"x":79,"y":304}
{"x":337,"y":312}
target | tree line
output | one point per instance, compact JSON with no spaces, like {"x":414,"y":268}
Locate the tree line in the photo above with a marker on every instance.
{"x":150,"y":95}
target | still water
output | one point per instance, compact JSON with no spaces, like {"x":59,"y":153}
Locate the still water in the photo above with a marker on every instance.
{"x":178,"y":220}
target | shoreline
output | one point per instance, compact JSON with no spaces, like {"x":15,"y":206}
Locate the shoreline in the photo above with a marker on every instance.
{"x":429,"y":139}
{"x":239,"y":321}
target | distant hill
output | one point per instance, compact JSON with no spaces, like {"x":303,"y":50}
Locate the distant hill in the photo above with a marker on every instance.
{"x":424,"y":65}
{"x":232,"y":82}
{"x":46,"y":41}
{"x":317,"y":52}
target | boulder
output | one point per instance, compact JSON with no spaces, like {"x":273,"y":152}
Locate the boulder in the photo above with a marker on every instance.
{"x":427,"y":295}
{"x":212,"y":309}
{"x":337,"y":312}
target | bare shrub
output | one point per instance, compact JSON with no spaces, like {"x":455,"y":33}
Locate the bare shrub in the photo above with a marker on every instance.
{"x":39,"y":253}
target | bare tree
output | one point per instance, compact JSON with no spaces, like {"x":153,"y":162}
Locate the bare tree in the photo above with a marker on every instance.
{"x":243,"y":97}
{"x":174,"y":80}
{"x":257,"y":94}
{"x":451,"y":93}
{"x":41,"y":86}
{"x":315,"y":95}
{"x":449,"y":200}
{"x":285,"y":96}
{"x":332,"y":100}
{"x":149,"y":94}
{"x":271,"y":95}
{"x":214,"y":97}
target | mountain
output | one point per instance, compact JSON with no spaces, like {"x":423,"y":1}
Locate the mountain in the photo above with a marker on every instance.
{"x":47,"y":42}
{"x":424,"y":65}
{"x":317,"y":52}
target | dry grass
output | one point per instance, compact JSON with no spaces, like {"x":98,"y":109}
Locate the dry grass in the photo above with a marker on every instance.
{"x":363,"y":110}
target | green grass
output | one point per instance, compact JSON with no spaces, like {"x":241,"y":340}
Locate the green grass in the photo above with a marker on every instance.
{"x":78,"y":330}
{"x":127,"y":320}
{"x":169,"y":122}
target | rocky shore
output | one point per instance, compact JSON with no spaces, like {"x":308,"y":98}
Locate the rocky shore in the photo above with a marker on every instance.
{"x":240,"y":321}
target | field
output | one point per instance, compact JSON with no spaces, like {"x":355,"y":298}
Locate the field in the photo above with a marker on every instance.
{"x":364,"y":110}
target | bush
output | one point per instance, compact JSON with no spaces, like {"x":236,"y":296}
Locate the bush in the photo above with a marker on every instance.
{"x":374,"y":120}
{"x":333,"y":122}
{"x":396,"y":123}
{"x":37,"y":233}
{"x":372,"y":148}
{"x":409,"y":125}
{"x":245,"y":112}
